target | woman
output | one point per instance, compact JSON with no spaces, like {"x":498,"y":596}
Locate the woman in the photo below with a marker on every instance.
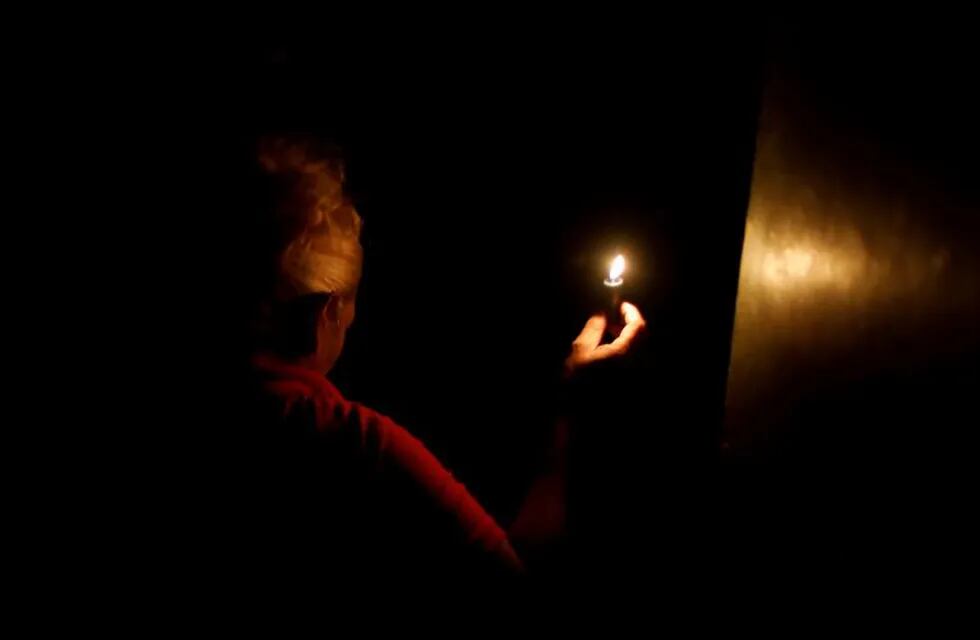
{"x":345,"y":485}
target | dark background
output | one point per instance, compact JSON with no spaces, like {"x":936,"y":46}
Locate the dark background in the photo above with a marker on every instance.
{"x":496,"y":182}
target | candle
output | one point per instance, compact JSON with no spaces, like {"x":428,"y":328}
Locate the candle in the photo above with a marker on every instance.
{"x":614,"y":283}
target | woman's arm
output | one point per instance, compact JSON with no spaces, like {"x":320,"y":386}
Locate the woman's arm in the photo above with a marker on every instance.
{"x":542,"y":517}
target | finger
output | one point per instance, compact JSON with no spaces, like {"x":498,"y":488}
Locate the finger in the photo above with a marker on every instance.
{"x":592,"y":333}
{"x":630,"y":313}
{"x":625,"y":339}
{"x":627,"y":335}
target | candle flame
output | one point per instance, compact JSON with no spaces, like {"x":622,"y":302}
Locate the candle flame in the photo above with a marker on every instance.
{"x":617,"y":267}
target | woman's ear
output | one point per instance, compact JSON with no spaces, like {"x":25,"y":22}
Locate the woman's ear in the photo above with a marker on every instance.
{"x":330,"y":315}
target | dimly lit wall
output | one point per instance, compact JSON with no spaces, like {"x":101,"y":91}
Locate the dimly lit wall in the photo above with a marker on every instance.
{"x":858,"y":305}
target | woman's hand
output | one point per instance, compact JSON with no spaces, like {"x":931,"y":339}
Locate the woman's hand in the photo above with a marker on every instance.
{"x":586,"y":348}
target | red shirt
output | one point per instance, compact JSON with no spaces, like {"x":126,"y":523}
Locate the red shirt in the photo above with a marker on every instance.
{"x":372,"y":450}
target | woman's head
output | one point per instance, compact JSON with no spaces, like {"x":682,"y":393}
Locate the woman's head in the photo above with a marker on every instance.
{"x":313,"y":254}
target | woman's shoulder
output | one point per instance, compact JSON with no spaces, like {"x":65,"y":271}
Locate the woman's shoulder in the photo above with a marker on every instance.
{"x":298,"y":391}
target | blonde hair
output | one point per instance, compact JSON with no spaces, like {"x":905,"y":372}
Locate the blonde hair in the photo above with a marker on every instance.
{"x":319,"y":249}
